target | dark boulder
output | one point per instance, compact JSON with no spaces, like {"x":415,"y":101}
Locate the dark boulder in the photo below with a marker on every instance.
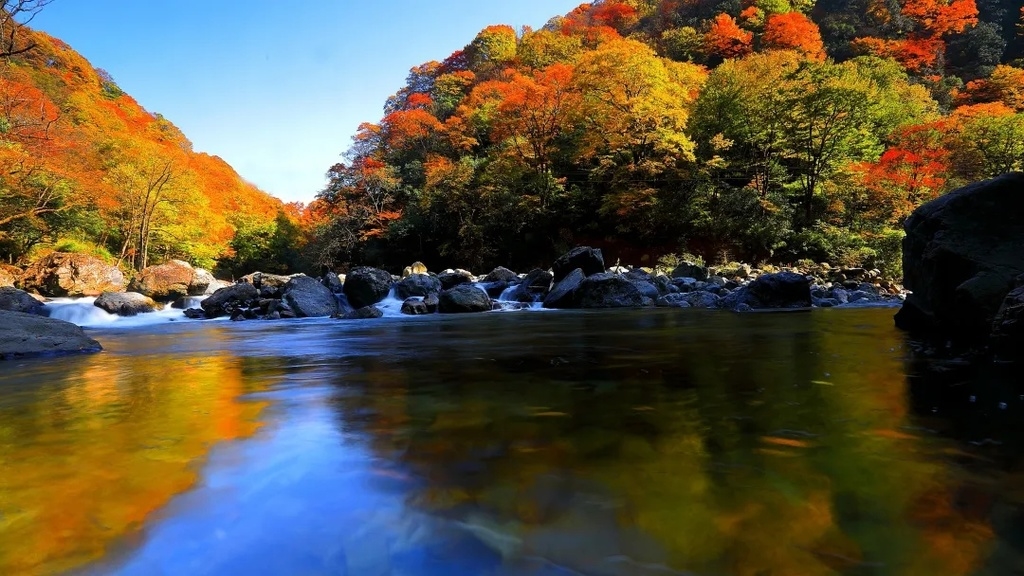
{"x":308,"y":298}
{"x":228,"y":301}
{"x":961,"y":255}
{"x":365,"y":286}
{"x":450,"y":280}
{"x":779,"y":290}
{"x":414,"y":307}
{"x":14,"y":300}
{"x":690,"y":270}
{"x":587,"y":259}
{"x":534,"y":287}
{"x":126,"y":303}
{"x":494,"y":289}
{"x":364,"y":313}
{"x":26,"y":335}
{"x":677,"y":300}
{"x":702,"y":299}
{"x":431,"y":302}
{"x":501,"y":274}
{"x":463,"y":298}
{"x":563,"y":293}
{"x":1008,"y":327}
{"x":417,"y":285}
{"x":607,"y":290}
{"x":65,"y":274}
{"x":333,"y":283}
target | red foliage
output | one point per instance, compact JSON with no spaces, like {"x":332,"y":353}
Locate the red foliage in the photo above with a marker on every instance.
{"x":727,"y":39}
{"x":794,"y":31}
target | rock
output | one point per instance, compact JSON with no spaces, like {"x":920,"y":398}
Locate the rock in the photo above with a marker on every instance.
{"x":201,"y":282}
{"x":333,"y":283}
{"x":606,"y":290}
{"x":126,"y":303}
{"x":534,"y":287}
{"x":1008,"y":327}
{"x":450,"y":280}
{"x":501,"y":274}
{"x":308,"y":298}
{"x":703,"y":300}
{"x":186,"y":302}
{"x":225,"y":301}
{"x":8,"y":277}
{"x":364,"y":313}
{"x":31,"y":335}
{"x":414,"y":268}
{"x":677,"y":300}
{"x":664,"y":284}
{"x":365,"y":286}
{"x":563,"y":294}
{"x":961,"y":255}
{"x":214,"y":286}
{"x":431,"y":302}
{"x":166,"y":281}
{"x":779,"y":290}
{"x":417,"y":285}
{"x":14,"y":300}
{"x":414,"y":307}
{"x":690,"y":270}
{"x":64,"y":274}
{"x":463,"y":298}
{"x":195,"y":313}
{"x":266,"y":283}
{"x":587,"y":259}
{"x":494,"y":289}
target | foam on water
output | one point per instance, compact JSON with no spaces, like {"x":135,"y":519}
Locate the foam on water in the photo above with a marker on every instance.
{"x":85,"y":313}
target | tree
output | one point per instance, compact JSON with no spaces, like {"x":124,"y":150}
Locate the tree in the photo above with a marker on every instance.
{"x":15,"y":15}
{"x":726,"y":39}
{"x":793,"y":31}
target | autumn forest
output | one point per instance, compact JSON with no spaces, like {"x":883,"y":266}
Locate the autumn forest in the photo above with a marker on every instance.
{"x":754,"y":130}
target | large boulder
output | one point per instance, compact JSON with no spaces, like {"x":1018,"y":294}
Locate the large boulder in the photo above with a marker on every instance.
{"x":450,"y":280}
{"x":463,"y":298}
{"x":126,"y":303}
{"x":501,"y":274}
{"x":534,"y":287}
{"x":9,"y":275}
{"x":417,"y":285}
{"x":31,"y":335}
{"x":587,"y":259}
{"x":14,"y":300}
{"x":563,"y":293}
{"x":364,"y":313}
{"x":414,"y":307}
{"x":265,"y":280}
{"x":416,"y":267}
{"x":606,"y":290}
{"x":227,"y":301}
{"x":365,"y":286}
{"x":165,"y":282}
{"x":65,"y":274}
{"x":961,"y":255}
{"x":308,"y":298}
{"x":201,"y":282}
{"x":779,"y":290}
{"x":1008,"y":326}
{"x":690,"y":270}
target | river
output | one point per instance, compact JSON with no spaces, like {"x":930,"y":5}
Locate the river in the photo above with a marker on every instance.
{"x":650,"y":442}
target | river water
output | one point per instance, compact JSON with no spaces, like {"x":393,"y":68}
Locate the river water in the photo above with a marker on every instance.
{"x":652,"y":442}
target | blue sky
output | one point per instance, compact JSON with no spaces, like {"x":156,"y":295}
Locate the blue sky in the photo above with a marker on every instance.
{"x":276,"y":89}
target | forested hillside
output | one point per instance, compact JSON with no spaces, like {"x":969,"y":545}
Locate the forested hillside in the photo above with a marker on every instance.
{"x":756,"y":129}
{"x":83,"y":167}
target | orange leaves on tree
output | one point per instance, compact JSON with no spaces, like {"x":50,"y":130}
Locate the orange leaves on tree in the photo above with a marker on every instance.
{"x":613,"y":14}
{"x":726,"y":39}
{"x":915,"y":54}
{"x":941,"y":17}
{"x":794,"y":31}
{"x":408,"y":129}
{"x":1006,"y":85}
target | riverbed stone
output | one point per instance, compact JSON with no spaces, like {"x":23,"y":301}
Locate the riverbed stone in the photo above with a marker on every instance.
{"x":450,"y":280}
{"x":308,"y":298}
{"x":126,"y":303}
{"x":690,"y":270}
{"x":501,"y":274}
{"x":66,"y":274}
{"x":1008,"y":327}
{"x":225,"y":301}
{"x":366,"y":286}
{"x":607,"y":290}
{"x":333,"y":282}
{"x":534,"y":287}
{"x":165,"y":282}
{"x":676,"y":300}
{"x":589,"y":260}
{"x":25,"y":335}
{"x":364,"y":313}
{"x":414,"y":307}
{"x":703,"y":299}
{"x":463,"y":298}
{"x":961,"y":255}
{"x":778,"y":290}
{"x":201,"y":282}
{"x":14,"y":300}
{"x":417,"y":285}
{"x":563,"y":293}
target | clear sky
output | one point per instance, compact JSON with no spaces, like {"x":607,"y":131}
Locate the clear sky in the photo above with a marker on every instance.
{"x":275,"y":88}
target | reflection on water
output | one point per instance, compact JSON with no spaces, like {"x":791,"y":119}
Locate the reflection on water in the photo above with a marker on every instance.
{"x":612,"y":443}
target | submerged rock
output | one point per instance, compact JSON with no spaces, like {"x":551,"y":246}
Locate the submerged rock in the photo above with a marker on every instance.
{"x":31,"y":335}
{"x":607,"y":290}
{"x":588,"y":260}
{"x":366,"y":286}
{"x":462,"y":299}
{"x":961,"y":255}
{"x":308,"y":298}
{"x":414,"y":307}
{"x":364,"y":313}
{"x":14,"y":300}
{"x":126,"y":303}
{"x":64,"y":274}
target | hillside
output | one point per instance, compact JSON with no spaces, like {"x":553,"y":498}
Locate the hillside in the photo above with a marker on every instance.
{"x":759,"y":130}
{"x":84,"y":167}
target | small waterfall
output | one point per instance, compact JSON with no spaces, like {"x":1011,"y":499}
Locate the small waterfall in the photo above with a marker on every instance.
{"x":506,"y":295}
{"x":391,"y":306}
{"x":80,"y":311}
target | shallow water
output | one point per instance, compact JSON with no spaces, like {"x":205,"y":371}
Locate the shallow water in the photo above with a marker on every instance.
{"x":605,"y":443}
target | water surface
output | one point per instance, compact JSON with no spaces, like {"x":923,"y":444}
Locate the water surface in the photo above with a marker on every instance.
{"x":605,"y":443}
